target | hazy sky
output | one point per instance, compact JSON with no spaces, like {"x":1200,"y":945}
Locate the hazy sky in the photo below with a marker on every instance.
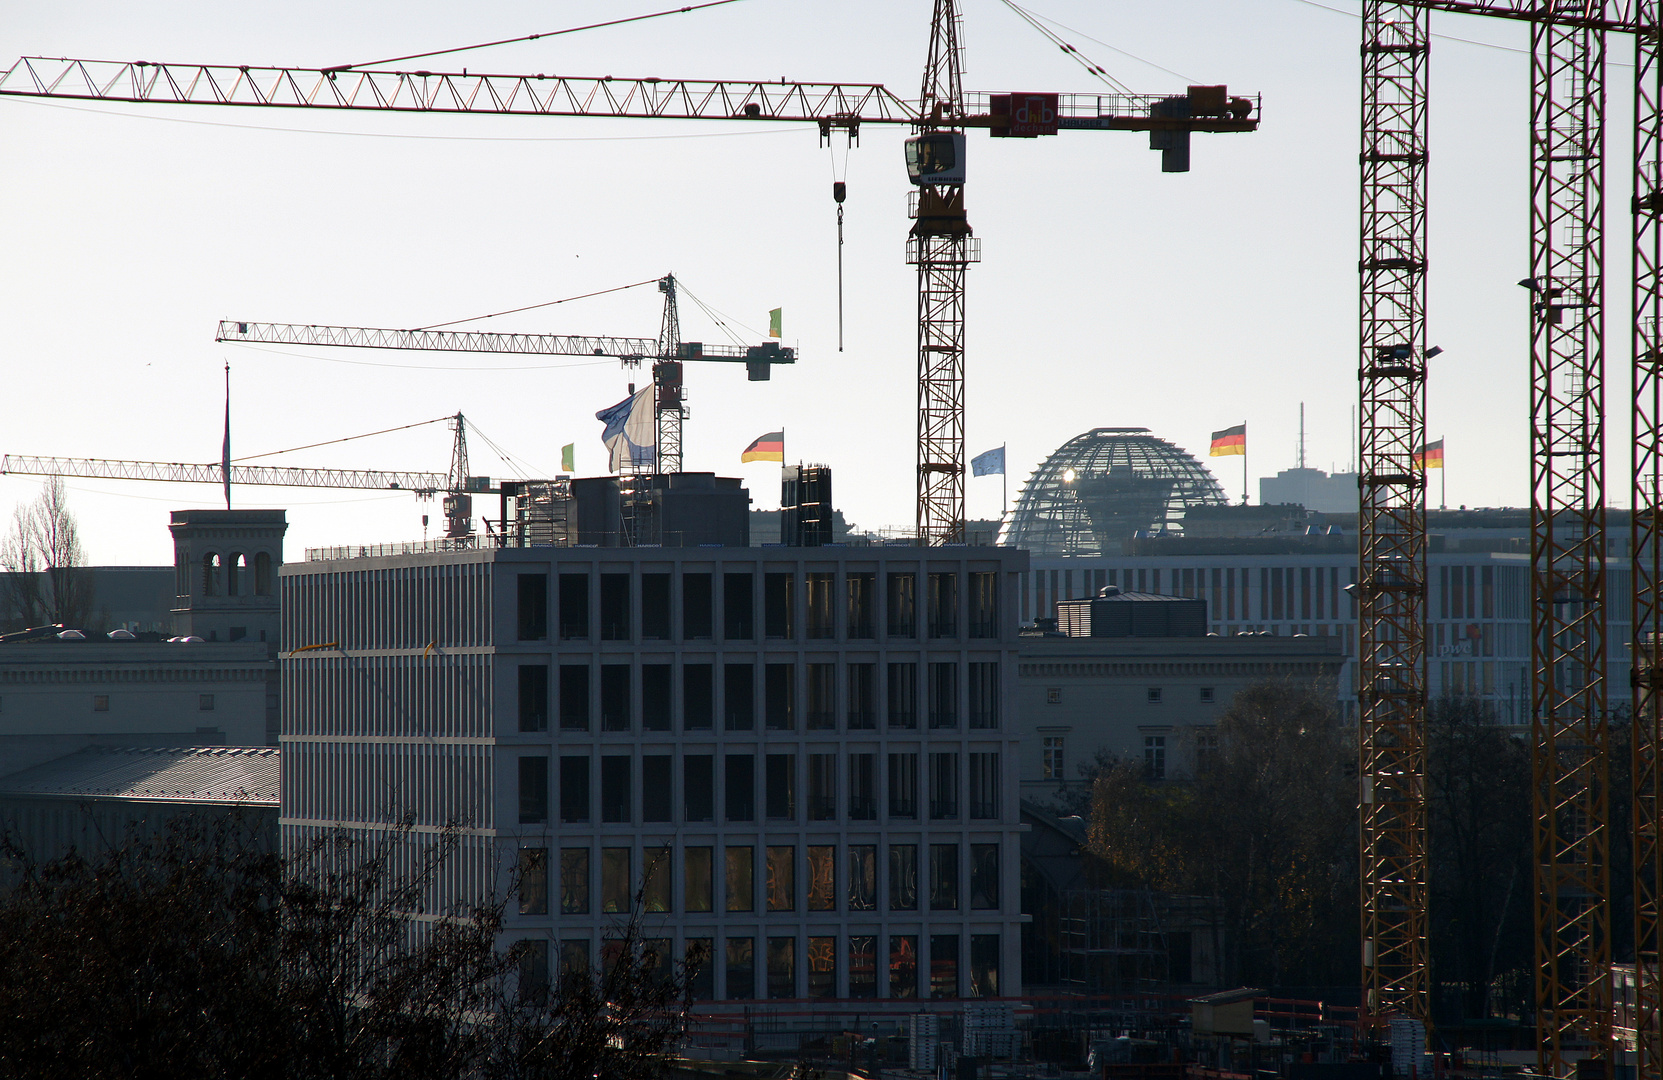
{"x":1109,"y":295}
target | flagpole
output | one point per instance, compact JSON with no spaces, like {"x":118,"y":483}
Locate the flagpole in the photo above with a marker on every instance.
{"x":1244,"y":462}
{"x":1443,"y":482}
{"x":1004,"y":482}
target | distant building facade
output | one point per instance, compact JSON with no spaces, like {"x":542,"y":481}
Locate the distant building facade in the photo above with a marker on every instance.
{"x":1313,"y":489}
{"x":805,"y":757}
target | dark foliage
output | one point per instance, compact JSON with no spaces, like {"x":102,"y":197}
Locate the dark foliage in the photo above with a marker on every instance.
{"x":199,"y":954}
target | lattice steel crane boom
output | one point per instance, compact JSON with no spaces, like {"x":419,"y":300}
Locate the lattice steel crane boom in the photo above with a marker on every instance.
{"x":668,"y":353}
{"x":832,"y":106}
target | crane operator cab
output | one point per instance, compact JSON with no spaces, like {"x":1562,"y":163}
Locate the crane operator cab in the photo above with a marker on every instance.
{"x":936,"y":158}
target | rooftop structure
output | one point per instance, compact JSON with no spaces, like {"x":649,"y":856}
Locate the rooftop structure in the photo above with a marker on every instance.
{"x":1103,"y":487}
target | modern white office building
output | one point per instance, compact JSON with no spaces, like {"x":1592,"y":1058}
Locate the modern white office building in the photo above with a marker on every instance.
{"x":805,"y":758}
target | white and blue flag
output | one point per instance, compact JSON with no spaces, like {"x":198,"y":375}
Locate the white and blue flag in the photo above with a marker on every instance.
{"x":631,"y":434}
{"x":991,"y":463}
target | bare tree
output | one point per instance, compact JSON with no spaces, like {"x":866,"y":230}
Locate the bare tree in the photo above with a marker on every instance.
{"x":47,"y":581}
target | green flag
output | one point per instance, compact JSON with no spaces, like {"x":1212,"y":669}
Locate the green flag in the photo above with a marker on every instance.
{"x":774,"y":322}
{"x":568,"y":458}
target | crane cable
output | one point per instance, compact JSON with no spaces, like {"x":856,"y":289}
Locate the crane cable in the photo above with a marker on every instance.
{"x":1091,"y":66}
{"x":349,"y":438}
{"x":533,"y":307}
{"x":531,"y":37}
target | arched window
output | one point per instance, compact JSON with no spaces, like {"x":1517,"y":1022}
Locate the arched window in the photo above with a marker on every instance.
{"x":262,"y":574}
{"x":235,"y":568}
{"x":181,"y":575}
{"x":210,"y":574}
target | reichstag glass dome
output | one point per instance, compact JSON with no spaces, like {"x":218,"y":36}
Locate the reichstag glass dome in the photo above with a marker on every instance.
{"x":1102,"y":487}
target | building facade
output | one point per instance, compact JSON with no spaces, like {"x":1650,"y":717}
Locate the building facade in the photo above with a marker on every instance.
{"x":804,"y":759}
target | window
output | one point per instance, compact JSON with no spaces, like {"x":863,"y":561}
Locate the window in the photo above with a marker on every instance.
{"x":615,"y":794}
{"x":1206,"y":751}
{"x":780,"y":697}
{"x":574,"y":881}
{"x":1053,"y":695}
{"x":944,"y":695}
{"x":1153,"y":695}
{"x":984,"y":605}
{"x":984,"y":695}
{"x":903,"y":965}
{"x":944,"y":605}
{"x":984,"y":786}
{"x":574,"y":790}
{"x":984,"y":877}
{"x":944,"y":877}
{"x":780,"y":872}
{"x":822,"y":615}
{"x":614,"y":880}
{"x":741,"y":967}
{"x":574,"y":697}
{"x":741,"y":878}
{"x":822,"y":697}
{"x":655,"y":885}
{"x":615,"y":697}
{"x":697,"y":893}
{"x":574,"y":607}
{"x":614,"y":607}
{"x":574,"y":956}
{"x":655,"y":607}
{"x":741,"y":787}
{"x":863,"y":877}
{"x":984,"y":965}
{"x":822,"y":787}
{"x":903,"y":877}
{"x":655,"y":697}
{"x":534,"y":697}
{"x":533,"y":607}
{"x":944,"y":786}
{"x":698,"y":785}
{"x":738,"y":607}
{"x":822,"y":877}
{"x":822,"y":967}
{"x":534,"y":790}
{"x":903,"y":786}
{"x":210,"y":574}
{"x":780,"y":786}
{"x":1052,"y":760}
{"x":262,"y":574}
{"x":534,"y":972}
{"x":696,"y":604}
{"x":782,"y":967}
{"x":902,"y":594}
{"x":863,"y":966}
{"x":903,"y":696}
{"x":738,"y":697}
{"x":204,"y":703}
{"x":656,"y":788}
{"x":534,"y":881}
{"x":777,"y":606}
{"x":863,"y":787}
{"x":698,"y":690}
{"x":862,"y":590}
{"x":1154,"y":757}
{"x":863,"y":703}
{"x":1206,"y":695}
{"x":944,"y":965}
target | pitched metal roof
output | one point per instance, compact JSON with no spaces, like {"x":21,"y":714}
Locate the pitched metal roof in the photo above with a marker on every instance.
{"x":210,"y":774}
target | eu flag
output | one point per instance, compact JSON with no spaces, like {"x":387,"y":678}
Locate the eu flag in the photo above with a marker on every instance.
{"x":991,"y":463}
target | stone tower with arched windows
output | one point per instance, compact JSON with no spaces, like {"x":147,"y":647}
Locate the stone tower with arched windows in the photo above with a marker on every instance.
{"x":225,"y":566}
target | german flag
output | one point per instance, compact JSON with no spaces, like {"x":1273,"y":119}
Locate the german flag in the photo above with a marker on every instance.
{"x":1430,"y":456}
{"x":769,"y":447}
{"x":1231,"y":442}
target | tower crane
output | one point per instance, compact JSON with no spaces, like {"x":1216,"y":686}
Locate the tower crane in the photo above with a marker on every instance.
{"x":940,"y":245}
{"x":456,"y":485}
{"x":668,"y":353}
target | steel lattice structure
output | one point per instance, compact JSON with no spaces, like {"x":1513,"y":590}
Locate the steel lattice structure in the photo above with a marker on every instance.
{"x":259,"y":476}
{"x":1391,"y":577}
{"x":1646,"y":537}
{"x":1568,"y":609}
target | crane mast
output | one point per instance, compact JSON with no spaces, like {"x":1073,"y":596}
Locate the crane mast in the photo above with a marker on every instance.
{"x":942,"y":246}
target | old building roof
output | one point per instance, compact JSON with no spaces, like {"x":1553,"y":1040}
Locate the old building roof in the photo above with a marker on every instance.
{"x":208,"y":774}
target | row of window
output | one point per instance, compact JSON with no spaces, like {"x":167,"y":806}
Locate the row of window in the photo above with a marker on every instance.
{"x":789,"y":884}
{"x":1154,"y":695}
{"x":580,"y":698}
{"x":688,"y":602}
{"x":699,"y":796}
{"x":228,"y":575}
{"x":734,"y":968}
{"x":101,"y":703}
{"x":1053,"y":755}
